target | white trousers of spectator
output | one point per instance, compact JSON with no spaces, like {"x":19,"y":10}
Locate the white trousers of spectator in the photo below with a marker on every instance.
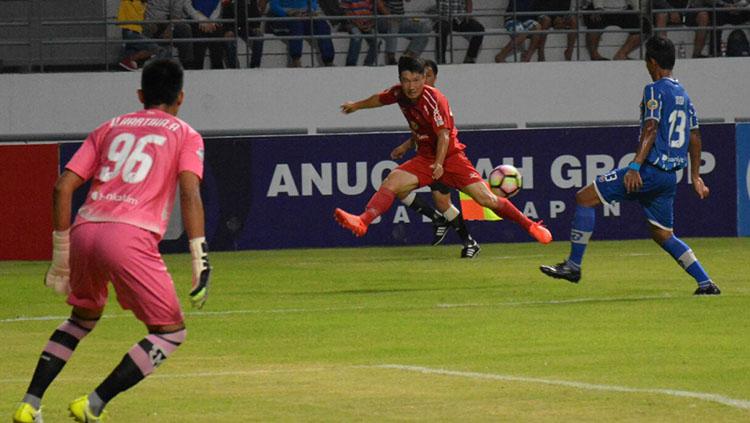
{"x":416,"y":45}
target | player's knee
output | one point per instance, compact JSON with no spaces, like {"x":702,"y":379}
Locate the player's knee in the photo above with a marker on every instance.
{"x":442,"y":202}
{"x":167,"y":328}
{"x":488,"y":200}
{"x":659,"y":235}
{"x":90,"y":316}
{"x":392,"y":185}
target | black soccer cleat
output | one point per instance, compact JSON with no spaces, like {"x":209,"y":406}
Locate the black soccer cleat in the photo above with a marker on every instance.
{"x":470,"y":250}
{"x":710,"y":289}
{"x":439,"y":230}
{"x":562,"y":271}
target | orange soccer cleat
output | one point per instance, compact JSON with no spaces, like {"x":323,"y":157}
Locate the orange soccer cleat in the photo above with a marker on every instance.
{"x":540,"y":233}
{"x":351,"y":222}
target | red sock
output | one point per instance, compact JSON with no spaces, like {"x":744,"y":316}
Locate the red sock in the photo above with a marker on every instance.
{"x":380,"y":202}
{"x":507,"y":210}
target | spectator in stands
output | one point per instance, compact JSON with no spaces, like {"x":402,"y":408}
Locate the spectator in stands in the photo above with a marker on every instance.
{"x":162,"y":10}
{"x":211,"y":9}
{"x":557,"y":21}
{"x":333,"y":8}
{"x":628,"y":20}
{"x":141,"y":49}
{"x":362,"y":26}
{"x":303,"y":9}
{"x":700,"y":19}
{"x":731,"y":12}
{"x":448,"y":9}
{"x":245,"y":29}
{"x":401,"y":25}
{"x":517,"y":21}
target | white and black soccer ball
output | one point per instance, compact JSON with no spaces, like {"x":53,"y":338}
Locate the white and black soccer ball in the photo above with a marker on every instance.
{"x":505,"y":181}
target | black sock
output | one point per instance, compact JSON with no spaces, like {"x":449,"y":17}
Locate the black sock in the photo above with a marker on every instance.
{"x":123,"y":377}
{"x":421,"y":207}
{"x":58,"y":350}
{"x":460,"y":226}
{"x":47,"y":369}
{"x":138,"y":363}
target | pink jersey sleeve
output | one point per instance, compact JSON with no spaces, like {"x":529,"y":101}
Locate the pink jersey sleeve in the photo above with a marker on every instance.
{"x":191,"y":154}
{"x":390,"y":95}
{"x":86,"y":161}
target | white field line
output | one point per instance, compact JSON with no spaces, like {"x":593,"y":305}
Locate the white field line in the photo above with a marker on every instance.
{"x":197,"y":375}
{"x":361,"y":308}
{"x":731,"y":402}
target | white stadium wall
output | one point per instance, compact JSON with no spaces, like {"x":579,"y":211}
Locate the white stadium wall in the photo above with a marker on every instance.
{"x":307,"y":99}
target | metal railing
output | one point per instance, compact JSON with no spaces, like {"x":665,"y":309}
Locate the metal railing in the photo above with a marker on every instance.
{"x":38,"y":44}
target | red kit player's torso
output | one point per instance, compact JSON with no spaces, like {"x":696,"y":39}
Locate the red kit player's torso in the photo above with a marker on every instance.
{"x":426,"y":117}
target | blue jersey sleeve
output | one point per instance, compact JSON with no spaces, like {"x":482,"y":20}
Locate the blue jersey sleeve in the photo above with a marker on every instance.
{"x":692,"y":116}
{"x":652,"y":103}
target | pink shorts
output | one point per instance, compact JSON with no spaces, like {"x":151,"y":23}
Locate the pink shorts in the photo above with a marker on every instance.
{"x":458,"y":170}
{"x":128,"y":257}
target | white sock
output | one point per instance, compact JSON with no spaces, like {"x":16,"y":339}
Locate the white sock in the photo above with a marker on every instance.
{"x":451,"y":213}
{"x":409,"y":198}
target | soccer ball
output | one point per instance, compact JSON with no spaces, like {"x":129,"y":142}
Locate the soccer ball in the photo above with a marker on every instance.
{"x":505,"y":181}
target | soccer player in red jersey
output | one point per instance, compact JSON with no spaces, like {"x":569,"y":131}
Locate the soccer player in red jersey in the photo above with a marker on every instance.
{"x":444,"y":214}
{"x":440,"y":155}
{"x":135,"y":163}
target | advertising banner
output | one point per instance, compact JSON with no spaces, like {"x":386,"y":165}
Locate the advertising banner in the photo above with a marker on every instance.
{"x":280,"y":192}
{"x":28,"y":175}
{"x":743,"y":179}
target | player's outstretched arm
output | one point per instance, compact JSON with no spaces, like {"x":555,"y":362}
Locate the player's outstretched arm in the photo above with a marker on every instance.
{"x":58,"y":274}
{"x":694,"y":149}
{"x":193,"y":220}
{"x":368,"y":103}
{"x":405,"y":146}
{"x":443,"y":140}
{"x":632,"y":180}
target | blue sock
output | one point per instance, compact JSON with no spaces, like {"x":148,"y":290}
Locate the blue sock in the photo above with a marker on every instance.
{"x":685,"y":257}
{"x":583,"y":227}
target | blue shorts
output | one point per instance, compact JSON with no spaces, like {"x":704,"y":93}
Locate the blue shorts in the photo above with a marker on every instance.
{"x":520,"y":25}
{"x":656,"y":196}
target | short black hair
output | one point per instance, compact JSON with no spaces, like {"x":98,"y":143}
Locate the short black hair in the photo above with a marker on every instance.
{"x":428,"y":63}
{"x":161,"y":82}
{"x":662,"y":51}
{"x":411,"y":64}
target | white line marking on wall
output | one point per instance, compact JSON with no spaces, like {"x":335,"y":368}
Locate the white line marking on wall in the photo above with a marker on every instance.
{"x":736,"y":403}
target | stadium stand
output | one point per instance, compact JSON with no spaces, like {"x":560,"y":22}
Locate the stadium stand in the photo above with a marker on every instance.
{"x":82,"y":35}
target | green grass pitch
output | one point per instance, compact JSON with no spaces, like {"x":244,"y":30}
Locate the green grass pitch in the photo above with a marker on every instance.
{"x":415,"y":333}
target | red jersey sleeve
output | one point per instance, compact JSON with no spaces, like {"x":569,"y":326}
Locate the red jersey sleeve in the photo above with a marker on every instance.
{"x":390,"y":95}
{"x":85,"y":161}
{"x":191,"y":154}
{"x":440,"y":116}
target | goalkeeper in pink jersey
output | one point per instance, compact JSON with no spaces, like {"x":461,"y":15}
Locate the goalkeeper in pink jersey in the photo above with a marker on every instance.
{"x":135,"y":163}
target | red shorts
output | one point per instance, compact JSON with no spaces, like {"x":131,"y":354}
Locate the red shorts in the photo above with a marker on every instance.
{"x":129,"y":257}
{"x":458,"y":170}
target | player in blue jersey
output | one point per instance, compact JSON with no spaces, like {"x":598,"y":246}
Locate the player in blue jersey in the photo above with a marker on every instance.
{"x":669,"y":136}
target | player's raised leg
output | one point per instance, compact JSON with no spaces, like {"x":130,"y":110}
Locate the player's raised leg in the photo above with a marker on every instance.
{"x":505,"y":209}
{"x":580,"y":234}
{"x":397,"y":182}
{"x":55,"y":355}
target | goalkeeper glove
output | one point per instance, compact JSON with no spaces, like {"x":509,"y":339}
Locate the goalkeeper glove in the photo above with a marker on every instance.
{"x":58,"y":274}
{"x":201,"y":272}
